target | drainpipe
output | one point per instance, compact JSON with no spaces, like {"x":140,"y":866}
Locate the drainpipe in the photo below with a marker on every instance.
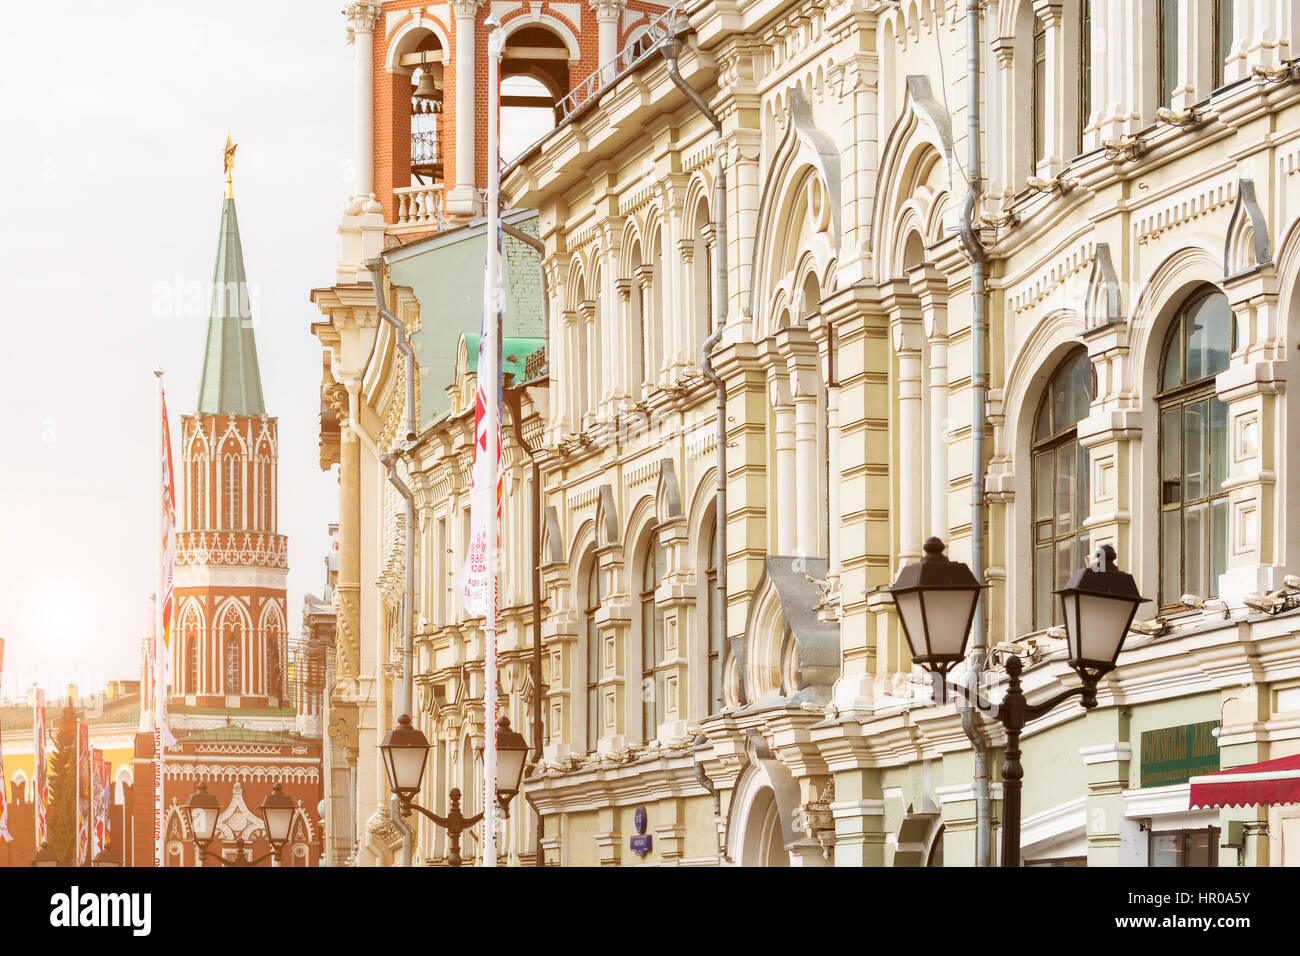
{"x":703,"y":779}
{"x":979,"y":397}
{"x":389,"y":461}
{"x":671,"y":48}
{"x":536,"y":533}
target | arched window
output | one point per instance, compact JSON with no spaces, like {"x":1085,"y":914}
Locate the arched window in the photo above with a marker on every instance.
{"x":265,"y":522}
{"x":1085,"y":72}
{"x":1223,"y":37}
{"x":232,"y":516}
{"x":232,"y":662}
{"x":193,"y":641}
{"x":1060,"y":484}
{"x":1038,"y":104}
{"x":1194,"y":449}
{"x":654,"y":566}
{"x":198,"y":493}
{"x":702,"y":272}
{"x":595,"y":595}
{"x":713,"y":613}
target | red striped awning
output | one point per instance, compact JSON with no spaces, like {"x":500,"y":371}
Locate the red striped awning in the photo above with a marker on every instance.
{"x":1255,"y":784}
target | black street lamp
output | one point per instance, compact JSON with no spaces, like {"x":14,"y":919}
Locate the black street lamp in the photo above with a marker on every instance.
{"x":276,"y":811}
{"x":45,"y":856}
{"x":935,"y":609}
{"x":405,"y":749}
{"x":107,"y":857}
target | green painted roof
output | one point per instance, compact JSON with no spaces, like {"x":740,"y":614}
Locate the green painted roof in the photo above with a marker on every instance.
{"x":231,"y":384}
{"x":513,"y":353}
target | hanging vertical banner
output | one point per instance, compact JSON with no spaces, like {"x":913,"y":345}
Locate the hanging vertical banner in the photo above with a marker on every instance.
{"x":40,"y":775}
{"x":4,"y":804}
{"x":83,"y":794}
{"x":96,"y":802}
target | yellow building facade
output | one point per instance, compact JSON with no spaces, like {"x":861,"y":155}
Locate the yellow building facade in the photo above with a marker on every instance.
{"x":1136,"y":216}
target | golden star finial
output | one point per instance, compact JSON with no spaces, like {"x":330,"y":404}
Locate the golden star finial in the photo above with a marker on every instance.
{"x":230,"y":165}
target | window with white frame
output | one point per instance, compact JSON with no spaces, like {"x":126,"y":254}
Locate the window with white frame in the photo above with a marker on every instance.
{"x":1194,"y":449}
{"x":1060,"y":483}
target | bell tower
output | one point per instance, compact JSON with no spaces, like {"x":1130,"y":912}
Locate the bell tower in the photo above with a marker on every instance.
{"x":231,"y":644}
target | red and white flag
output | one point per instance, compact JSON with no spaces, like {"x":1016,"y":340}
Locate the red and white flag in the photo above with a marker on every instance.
{"x":41,"y":782}
{"x":167,"y":546}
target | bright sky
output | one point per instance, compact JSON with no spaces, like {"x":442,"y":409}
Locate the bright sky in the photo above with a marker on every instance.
{"x":116,"y":115}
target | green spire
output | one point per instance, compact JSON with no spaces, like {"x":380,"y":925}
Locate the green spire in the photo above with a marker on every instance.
{"x":231,"y":384}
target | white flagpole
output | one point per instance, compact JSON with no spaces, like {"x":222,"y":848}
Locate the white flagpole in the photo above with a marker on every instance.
{"x":491,"y":373}
{"x":159,"y":686}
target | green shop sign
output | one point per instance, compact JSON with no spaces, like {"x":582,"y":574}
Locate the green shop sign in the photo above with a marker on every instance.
{"x":1173,"y":755}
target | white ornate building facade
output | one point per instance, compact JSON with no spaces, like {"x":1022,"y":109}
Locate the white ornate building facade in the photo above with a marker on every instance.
{"x":1137,"y":217}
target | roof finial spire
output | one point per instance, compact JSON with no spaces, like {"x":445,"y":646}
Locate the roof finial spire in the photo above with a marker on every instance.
{"x":230,"y":165}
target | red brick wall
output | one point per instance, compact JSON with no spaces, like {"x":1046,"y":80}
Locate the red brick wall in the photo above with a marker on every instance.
{"x":391,"y":116}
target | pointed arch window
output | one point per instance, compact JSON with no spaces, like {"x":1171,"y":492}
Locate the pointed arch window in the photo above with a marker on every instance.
{"x":1060,"y":483}
{"x":198,"y":492}
{"x":595,"y":596}
{"x":232,"y":480}
{"x":193,"y":642}
{"x":1194,"y":449}
{"x":232,"y":661}
{"x":654,"y":567}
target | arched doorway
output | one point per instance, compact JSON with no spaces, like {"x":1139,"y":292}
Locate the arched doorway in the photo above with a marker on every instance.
{"x":764,"y":844}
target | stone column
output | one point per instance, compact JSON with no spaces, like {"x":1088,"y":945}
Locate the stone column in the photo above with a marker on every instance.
{"x":647,"y":375}
{"x":571,"y":407}
{"x":859,"y":815}
{"x":779,"y":392}
{"x":803,"y":388}
{"x":1111,"y":434}
{"x":613,"y":624}
{"x":1107,"y":764}
{"x":607,"y":17}
{"x":463,"y":201}
{"x":676,"y":596}
{"x":1002,"y":154}
{"x":931,"y":288}
{"x":589,"y":357}
{"x":361,"y":24}
{"x":628,"y":374}
{"x":1253,"y":388}
{"x":905,"y":336}
{"x":1196,"y":52}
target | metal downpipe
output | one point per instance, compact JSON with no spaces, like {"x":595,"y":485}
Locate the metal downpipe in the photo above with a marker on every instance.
{"x":979,"y":400}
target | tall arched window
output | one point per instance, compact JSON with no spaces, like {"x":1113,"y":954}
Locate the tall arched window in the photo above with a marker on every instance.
{"x":1194,"y":449}
{"x":232,"y":662}
{"x":1038,"y":104}
{"x":1223,"y":36}
{"x":702,"y":273}
{"x":713,"y":614}
{"x":654,"y":566}
{"x":595,"y":596}
{"x":193,"y":687}
{"x":198,"y":493}
{"x":1060,"y":484}
{"x":264,"y":491}
{"x":233,"y":486}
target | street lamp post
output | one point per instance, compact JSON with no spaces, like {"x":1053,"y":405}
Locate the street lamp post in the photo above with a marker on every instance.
{"x":405,"y":750}
{"x":276,"y":812}
{"x":107,"y":857}
{"x":935,"y":599}
{"x":45,"y":856}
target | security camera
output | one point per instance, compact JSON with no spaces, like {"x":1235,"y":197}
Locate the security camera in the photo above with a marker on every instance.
{"x":1204,"y":604}
{"x":1157,"y":625}
{"x":1264,"y":603}
{"x":1292,"y":581}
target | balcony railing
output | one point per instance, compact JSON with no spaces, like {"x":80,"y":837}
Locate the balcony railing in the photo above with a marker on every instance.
{"x":241,"y":548}
{"x":426,"y":149}
{"x":623,"y":61}
{"x":419,"y":208}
